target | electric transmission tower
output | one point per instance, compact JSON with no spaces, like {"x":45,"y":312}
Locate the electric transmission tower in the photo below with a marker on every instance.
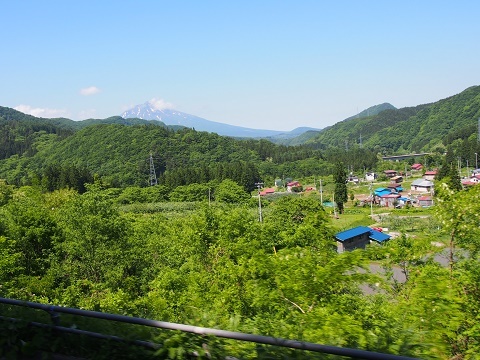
{"x":153,"y":176}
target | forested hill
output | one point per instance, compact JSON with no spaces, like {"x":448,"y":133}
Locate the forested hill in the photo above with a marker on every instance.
{"x":55,"y":154}
{"x":15,"y":118}
{"x":120,"y":154}
{"x":419,"y":128}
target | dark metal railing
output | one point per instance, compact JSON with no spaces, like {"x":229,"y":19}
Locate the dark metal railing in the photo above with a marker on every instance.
{"x":54,"y":312}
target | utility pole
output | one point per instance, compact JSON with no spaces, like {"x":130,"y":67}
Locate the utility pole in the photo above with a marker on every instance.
{"x":153,"y":175}
{"x":259,"y":185}
{"x":334,"y":208}
{"x":321,"y":192}
{"x":371,"y":200}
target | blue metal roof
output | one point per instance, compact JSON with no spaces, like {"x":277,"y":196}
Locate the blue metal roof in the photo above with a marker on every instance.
{"x":382,"y":193}
{"x":360,"y":230}
{"x":348,"y":234}
{"x":378,"y":236}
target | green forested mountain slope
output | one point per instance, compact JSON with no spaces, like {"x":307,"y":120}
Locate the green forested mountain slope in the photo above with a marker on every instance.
{"x":430,"y":126}
{"x":120,"y":153}
{"x":353,"y":131}
{"x":419,"y":128}
{"x":9,"y":115}
{"x":372,"y":110}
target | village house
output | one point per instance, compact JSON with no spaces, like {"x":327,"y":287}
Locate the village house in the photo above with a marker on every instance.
{"x":267,"y":191}
{"x":421,"y":185}
{"x":292,"y":185}
{"x":358,"y":238}
{"x":430,"y":175}
{"x":353,"y":178}
{"x":417,"y":167}
{"x":390,"y":173}
{"x":370,"y":176}
{"x":390,"y":200}
{"x":473,"y":180}
{"x":396,"y":179}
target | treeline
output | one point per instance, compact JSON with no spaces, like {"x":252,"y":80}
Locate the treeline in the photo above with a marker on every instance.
{"x":243,"y":173}
{"x":120,"y":154}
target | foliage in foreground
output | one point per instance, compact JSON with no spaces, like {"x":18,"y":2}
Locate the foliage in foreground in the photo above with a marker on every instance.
{"x":217,"y":266}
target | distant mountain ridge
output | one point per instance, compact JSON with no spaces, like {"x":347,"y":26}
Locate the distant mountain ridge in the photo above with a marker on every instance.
{"x":310,"y":134}
{"x":148,"y":111}
{"x":418,"y":128}
{"x":381,"y":127}
{"x":372,"y":110}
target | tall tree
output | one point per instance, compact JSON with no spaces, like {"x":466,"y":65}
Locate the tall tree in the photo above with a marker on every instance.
{"x":341,"y":194}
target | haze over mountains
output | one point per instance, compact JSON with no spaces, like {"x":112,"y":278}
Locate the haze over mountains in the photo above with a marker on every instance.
{"x":383,"y":127}
{"x":148,"y":111}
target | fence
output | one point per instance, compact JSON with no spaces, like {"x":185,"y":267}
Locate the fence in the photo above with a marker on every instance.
{"x":55,"y":311}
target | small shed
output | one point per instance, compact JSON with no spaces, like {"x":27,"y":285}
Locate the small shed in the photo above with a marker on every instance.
{"x":396,"y":179}
{"x":370,"y":176}
{"x":358,"y":238}
{"x":425,"y":201}
{"x":395,"y":187}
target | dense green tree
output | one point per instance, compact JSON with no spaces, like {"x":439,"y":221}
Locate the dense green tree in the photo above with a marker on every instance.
{"x":193,"y":192}
{"x":341,"y":192}
{"x":96,"y":238}
{"x":229,"y":191}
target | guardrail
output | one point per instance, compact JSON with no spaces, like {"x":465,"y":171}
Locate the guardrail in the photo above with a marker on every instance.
{"x":54,"y":312}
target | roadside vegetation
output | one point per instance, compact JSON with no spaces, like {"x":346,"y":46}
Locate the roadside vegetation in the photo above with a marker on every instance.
{"x":214,"y":264}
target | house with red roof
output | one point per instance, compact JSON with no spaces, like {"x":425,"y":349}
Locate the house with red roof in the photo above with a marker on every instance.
{"x":389,"y":200}
{"x":417,"y":167}
{"x":293,"y":185}
{"x":430,"y":175}
{"x":267,"y":191}
{"x":425,"y":201}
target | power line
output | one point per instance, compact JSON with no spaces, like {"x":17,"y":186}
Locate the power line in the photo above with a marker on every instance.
{"x":153,"y":175}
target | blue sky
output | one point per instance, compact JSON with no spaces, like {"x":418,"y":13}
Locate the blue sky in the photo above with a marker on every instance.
{"x":261,"y":64}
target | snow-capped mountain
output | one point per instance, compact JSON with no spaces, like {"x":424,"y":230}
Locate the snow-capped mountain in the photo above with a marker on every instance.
{"x":148,"y":111}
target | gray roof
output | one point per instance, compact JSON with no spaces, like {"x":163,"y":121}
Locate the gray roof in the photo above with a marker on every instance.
{"x":422,"y":183}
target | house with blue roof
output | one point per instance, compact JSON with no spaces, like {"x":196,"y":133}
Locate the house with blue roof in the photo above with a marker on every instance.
{"x":358,"y":238}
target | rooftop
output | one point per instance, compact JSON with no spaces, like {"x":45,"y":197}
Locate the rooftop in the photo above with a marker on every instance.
{"x":360,"y":230}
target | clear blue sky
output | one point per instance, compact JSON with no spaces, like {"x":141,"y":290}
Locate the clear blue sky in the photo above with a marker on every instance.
{"x":260,"y":64}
